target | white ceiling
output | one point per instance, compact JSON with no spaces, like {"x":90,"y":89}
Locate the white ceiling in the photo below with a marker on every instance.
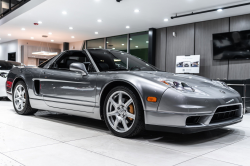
{"x":82,"y":15}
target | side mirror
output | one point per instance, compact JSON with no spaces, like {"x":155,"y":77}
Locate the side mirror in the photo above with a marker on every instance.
{"x":78,"y":67}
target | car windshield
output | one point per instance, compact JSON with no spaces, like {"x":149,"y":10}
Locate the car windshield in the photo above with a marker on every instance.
{"x":111,"y":60}
{"x":4,"y":65}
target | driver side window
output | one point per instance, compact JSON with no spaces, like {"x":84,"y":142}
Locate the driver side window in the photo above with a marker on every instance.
{"x":64,"y":62}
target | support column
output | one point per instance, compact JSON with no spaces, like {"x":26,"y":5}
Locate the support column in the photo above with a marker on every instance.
{"x":151,"y":45}
{"x":65,"y":46}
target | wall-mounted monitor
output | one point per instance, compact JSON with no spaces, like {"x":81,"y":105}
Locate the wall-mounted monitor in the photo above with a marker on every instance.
{"x":188,"y":64}
{"x":12,"y":56}
{"x":231,"y":45}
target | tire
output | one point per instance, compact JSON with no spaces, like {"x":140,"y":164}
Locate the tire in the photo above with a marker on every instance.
{"x":26,"y":109}
{"x":128,"y":112}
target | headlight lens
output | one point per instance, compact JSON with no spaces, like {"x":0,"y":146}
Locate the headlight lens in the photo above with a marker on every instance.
{"x":181,"y":86}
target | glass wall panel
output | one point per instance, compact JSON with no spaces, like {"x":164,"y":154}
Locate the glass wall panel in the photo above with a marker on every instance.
{"x":97,"y":43}
{"x":4,"y":6}
{"x":117,"y":43}
{"x":139,"y":45}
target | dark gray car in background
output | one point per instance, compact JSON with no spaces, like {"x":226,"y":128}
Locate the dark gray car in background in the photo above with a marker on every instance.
{"x":128,"y":93}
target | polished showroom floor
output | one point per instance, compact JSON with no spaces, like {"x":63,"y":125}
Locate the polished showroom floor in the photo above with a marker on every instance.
{"x":49,"y":139}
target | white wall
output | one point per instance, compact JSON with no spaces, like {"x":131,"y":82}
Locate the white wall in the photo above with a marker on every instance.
{"x":8,"y":47}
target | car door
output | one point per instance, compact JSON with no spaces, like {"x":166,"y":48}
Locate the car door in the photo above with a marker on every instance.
{"x":70,"y":90}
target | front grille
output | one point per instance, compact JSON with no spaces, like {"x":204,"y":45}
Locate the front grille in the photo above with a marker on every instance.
{"x":226,"y":113}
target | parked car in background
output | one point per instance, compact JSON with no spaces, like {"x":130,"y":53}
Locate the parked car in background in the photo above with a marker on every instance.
{"x":130,"y":95}
{"x":5,"y":67}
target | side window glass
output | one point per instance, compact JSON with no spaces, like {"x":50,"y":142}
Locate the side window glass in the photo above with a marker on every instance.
{"x":67,"y":59}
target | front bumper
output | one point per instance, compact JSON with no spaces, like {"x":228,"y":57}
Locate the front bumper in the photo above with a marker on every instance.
{"x":176,"y":110}
{"x":191,"y":129}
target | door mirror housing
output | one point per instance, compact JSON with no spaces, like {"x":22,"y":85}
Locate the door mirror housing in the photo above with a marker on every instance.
{"x":78,"y":67}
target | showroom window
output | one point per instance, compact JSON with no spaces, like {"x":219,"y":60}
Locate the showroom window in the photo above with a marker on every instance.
{"x":117,"y":43}
{"x":96,"y":43}
{"x":139,"y":45}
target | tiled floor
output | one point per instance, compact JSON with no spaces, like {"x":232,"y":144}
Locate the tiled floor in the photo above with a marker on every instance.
{"x":49,"y":139}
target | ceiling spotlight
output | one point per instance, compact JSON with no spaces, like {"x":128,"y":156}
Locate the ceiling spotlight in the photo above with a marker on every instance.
{"x":127,"y":27}
{"x":50,"y":33}
{"x":136,"y":46}
{"x":99,"y":20}
{"x":146,"y":41}
{"x":113,"y":48}
{"x":52,"y":40}
{"x":166,"y":19}
{"x":32,"y":37}
{"x":96,"y":33}
{"x":72,"y":36}
{"x":40,"y":22}
{"x":100,"y":46}
{"x":123,"y":44}
{"x":64,"y":12}
{"x":107,"y":42}
{"x":137,"y":10}
{"x":130,"y":39}
{"x":23,"y":29}
{"x":70,"y":28}
{"x":9,"y":34}
{"x":219,"y":10}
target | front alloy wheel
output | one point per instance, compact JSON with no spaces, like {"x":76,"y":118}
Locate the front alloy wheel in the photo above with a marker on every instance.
{"x":19,"y":98}
{"x":123,"y":113}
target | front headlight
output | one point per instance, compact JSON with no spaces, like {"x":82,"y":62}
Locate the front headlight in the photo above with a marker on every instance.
{"x":181,"y":86}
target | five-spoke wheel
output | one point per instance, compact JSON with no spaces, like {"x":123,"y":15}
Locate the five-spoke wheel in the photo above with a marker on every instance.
{"x":19,"y":98}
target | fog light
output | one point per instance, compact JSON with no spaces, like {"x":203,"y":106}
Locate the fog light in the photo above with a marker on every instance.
{"x":152,"y":99}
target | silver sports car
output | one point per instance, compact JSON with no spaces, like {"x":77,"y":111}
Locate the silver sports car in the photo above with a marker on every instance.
{"x":128,"y":93}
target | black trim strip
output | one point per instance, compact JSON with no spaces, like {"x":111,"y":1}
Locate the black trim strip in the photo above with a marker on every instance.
{"x":68,"y":99}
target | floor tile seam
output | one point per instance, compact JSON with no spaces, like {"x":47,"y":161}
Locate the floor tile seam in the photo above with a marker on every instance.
{"x":98,"y":153}
{"x":83,"y":138}
{"x":11,"y":158}
{"x":32,"y":132}
{"x":31,"y":148}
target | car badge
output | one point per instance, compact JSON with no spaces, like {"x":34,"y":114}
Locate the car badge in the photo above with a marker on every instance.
{"x":230,"y":101}
{"x":222,"y":91}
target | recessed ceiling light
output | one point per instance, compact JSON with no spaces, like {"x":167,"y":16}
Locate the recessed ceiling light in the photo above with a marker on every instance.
{"x":71,"y":28}
{"x":40,"y":22}
{"x":166,"y":19}
{"x":123,"y":44}
{"x":72,"y":36}
{"x":127,"y":27}
{"x":9,"y":34}
{"x":96,"y":33}
{"x":32,"y":37}
{"x":107,"y":42}
{"x":130,"y":39}
{"x":50,"y":33}
{"x":113,"y":48}
{"x":146,"y":41}
{"x":137,"y":10}
{"x":99,"y":20}
{"x":100,"y":46}
{"x":23,"y":29}
{"x":136,"y":46}
{"x":64,"y":12}
{"x":52,"y":40}
{"x":220,"y":10}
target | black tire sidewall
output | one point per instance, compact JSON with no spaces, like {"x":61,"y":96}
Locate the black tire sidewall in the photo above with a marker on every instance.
{"x":23,"y":112}
{"x":138,"y":111}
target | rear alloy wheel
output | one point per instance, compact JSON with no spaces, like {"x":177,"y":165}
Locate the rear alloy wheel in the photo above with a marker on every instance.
{"x":21,"y":100}
{"x":123,"y":112}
